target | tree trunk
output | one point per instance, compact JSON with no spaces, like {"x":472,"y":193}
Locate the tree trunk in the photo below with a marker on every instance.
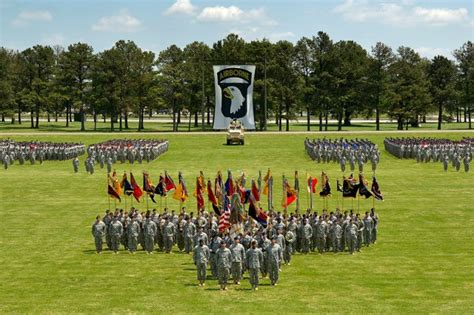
{"x":3,"y":117}
{"x":37,"y":116}
{"x":67,"y":115}
{"x":320,"y":121}
{"x":49,"y":117}
{"x":465,"y":113}
{"x":178,"y":120}
{"x":32,"y":119}
{"x":83,"y":118}
{"x":287,"y":116}
{"x":339,"y":121}
{"x":56,"y":116}
{"x":111,"y":121}
{"x":440,"y":116}
{"x":377,"y":118}
{"x":19,"y":115}
{"x":104,"y":117}
{"x":208,"y":110}
{"x":189,"y":122}
{"x":125,"y":117}
{"x":399,"y":124}
{"x":308,"y":119}
{"x":196,"y":119}
{"x":347,"y":118}
{"x":95,"y":121}
{"x":326,"y":114}
{"x":120,"y":122}
{"x":469,"y":116}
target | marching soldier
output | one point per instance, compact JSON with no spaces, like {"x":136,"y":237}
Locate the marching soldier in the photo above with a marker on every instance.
{"x":223,"y":260}
{"x":368,"y":227}
{"x":133,"y":229}
{"x":351,"y":231}
{"x":254,"y":260}
{"x":149,"y":231}
{"x":189,"y":234}
{"x":238,"y":258}
{"x":116,"y":230}
{"x":289,"y":247}
{"x":98,"y":231}
{"x":75,"y":165}
{"x":201,"y":257}
{"x":168,"y":235}
{"x":274,"y":257}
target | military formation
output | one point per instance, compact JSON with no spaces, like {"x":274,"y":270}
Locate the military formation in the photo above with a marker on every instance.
{"x":458,"y":154}
{"x":107,"y":153}
{"x":36,"y":151}
{"x":354,"y":152}
{"x":259,"y":249}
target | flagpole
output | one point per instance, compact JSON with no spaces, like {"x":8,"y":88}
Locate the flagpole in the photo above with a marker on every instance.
{"x":125,"y":202}
{"x":108,"y":196}
{"x":284,"y":198}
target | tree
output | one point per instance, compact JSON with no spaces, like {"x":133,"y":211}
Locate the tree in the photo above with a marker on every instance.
{"x":465,"y":59}
{"x":6,"y":82}
{"x":349,"y":73}
{"x":409,"y":88}
{"x":304,"y":62}
{"x":442,"y":75}
{"x":144,"y":84}
{"x":197,"y":71}
{"x":75,"y":65}
{"x":380,"y":61}
{"x":171,"y":80}
{"x":36,"y":74}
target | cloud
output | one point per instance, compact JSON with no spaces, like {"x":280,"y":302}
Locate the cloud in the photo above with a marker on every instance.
{"x":123,"y":22}
{"x":53,"y":40}
{"x":181,"y":7}
{"x":26,"y":17}
{"x":430,"y":52}
{"x":274,"y":37}
{"x":399,"y":14}
{"x":441,"y":16}
{"x":234,"y":14}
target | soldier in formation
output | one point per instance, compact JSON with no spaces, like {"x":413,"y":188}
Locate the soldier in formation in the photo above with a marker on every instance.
{"x":11,"y":151}
{"x":355,"y":151}
{"x":424,"y":150}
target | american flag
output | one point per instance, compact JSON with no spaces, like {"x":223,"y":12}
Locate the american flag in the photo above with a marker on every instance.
{"x":224,"y":222}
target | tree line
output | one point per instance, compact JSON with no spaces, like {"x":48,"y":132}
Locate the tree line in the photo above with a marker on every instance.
{"x":316,"y":76}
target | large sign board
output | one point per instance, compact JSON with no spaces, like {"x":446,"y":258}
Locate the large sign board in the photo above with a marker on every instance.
{"x":234,"y":93}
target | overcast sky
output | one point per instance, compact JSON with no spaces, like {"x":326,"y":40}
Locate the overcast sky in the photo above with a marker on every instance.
{"x":430,"y":27}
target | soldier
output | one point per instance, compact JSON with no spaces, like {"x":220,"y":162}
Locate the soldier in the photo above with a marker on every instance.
{"x":264,"y":244}
{"x":149,"y":231}
{"x":107,"y":220}
{"x":466,"y":160}
{"x":98,"y":231}
{"x":360,"y":232}
{"x":116,"y":230}
{"x":368,"y":227}
{"x":200,"y":235}
{"x":351,"y":231}
{"x":238,"y":258}
{"x":75,"y":165}
{"x":445,"y":162}
{"x":375,"y":220}
{"x":223,"y":261}
{"x":133,"y":229}
{"x":342,"y":161}
{"x":289,"y":241}
{"x":168,"y":235}
{"x":336,"y":231}
{"x":109,"y":164}
{"x":274,"y":256}
{"x":321,"y":231}
{"x":6,"y":161}
{"x":307,"y":233}
{"x":189,"y":234}
{"x":254,"y":262}
{"x":201,"y":258}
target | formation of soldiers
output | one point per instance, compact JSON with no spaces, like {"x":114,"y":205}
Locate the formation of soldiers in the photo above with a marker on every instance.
{"x":262,"y":250}
{"x":456,"y":153}
{"x":11,"y":151}
{"x":344,"y":151}
{"x":122,"y":150}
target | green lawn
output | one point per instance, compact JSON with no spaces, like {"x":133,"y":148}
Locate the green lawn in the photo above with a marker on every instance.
{"x":422,"y":262}
{"x":184,"y":126}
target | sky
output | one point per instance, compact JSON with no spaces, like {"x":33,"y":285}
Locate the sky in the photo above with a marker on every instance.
{"x":435,"y":27}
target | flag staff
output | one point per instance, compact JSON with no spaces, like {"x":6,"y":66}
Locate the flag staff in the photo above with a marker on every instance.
{"x":284,"y":198}
{"x":108,"y":196}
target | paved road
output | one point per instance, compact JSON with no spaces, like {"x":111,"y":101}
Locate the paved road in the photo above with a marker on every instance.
{"x":65,"y":133}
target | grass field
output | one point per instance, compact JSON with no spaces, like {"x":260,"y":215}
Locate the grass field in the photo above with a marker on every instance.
{"x":422,"y":263}
{"x":151,"y":126}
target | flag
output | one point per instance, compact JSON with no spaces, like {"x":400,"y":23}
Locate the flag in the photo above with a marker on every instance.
{"x":224,"y":218}
{"x":126,"y":186}
{"x":137,"y":192}
{"x":268,"y":181}
{"x":229,"y":185}
{"x":326,"y":187}
{"x":212,"y":198}
{"x":148,"y":186}
{"x":202,"y":184}
{"x":376,"y":190}
{"x":218,"y":185}
{"x":290,"y":194}
{"x":237,"y":210}
{"x":181,"y":193}
{"x":160,"y":188}
{"x":349,"y":188}
{"x":169,"y":184}
{"x":255,"y":191}
{"x":256,"y":213}
{"x":363,"y":189}
{"x":198,"y":194}
{"x":112,"y":193}
{"x":312,"y":182}
{"x":115,"y":183}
